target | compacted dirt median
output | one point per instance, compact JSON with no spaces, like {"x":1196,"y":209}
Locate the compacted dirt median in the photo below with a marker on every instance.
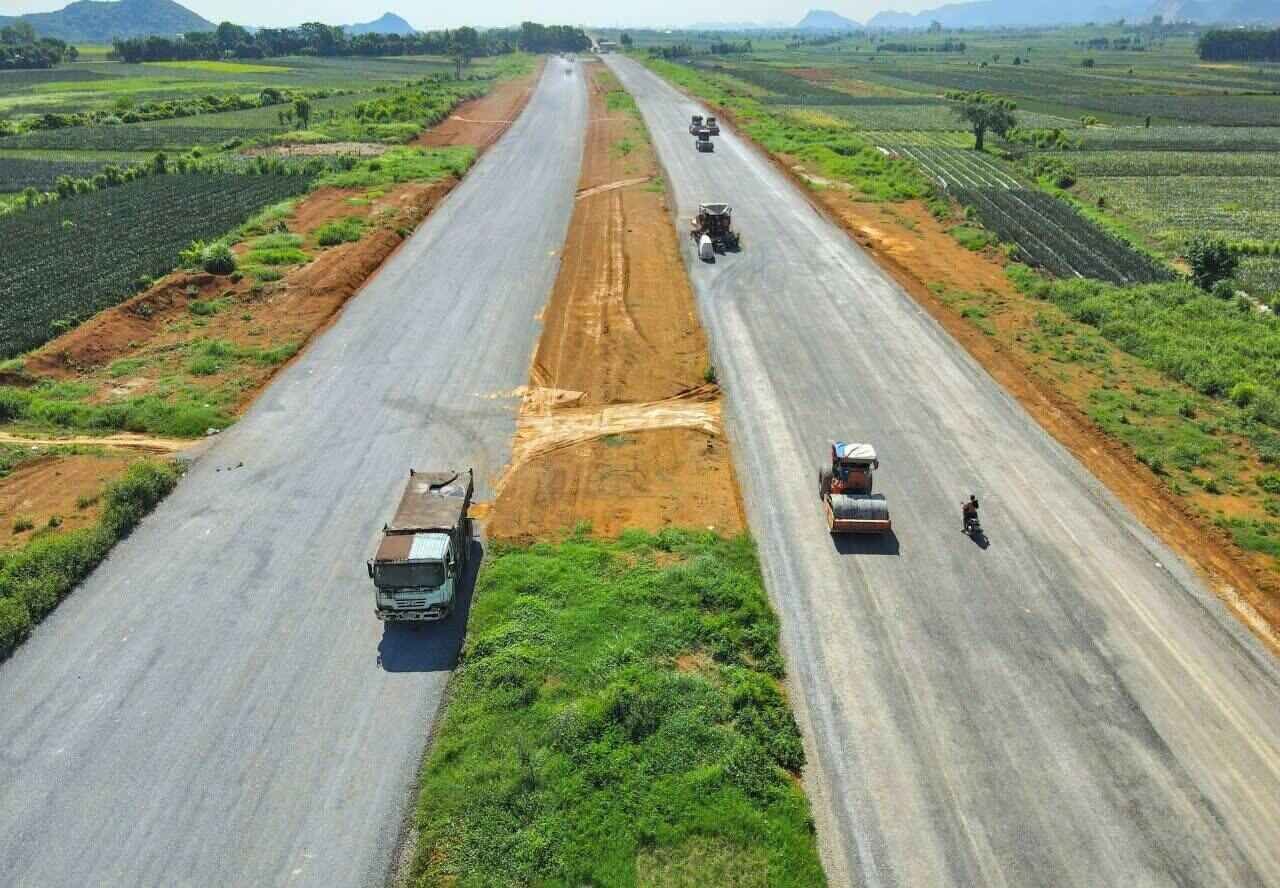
{"x":620,"y":425}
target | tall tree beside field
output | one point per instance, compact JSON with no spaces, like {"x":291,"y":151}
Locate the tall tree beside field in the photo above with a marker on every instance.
{"x":984,"y":113}
{"x":302,"y":110}
{"x":464,"y":43}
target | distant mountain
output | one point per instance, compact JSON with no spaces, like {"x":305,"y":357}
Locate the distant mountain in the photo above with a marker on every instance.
{"x":98,"y":21}
{"x":389,"y":23}
{"x":826,"y":20}
{"x":997,"y":13}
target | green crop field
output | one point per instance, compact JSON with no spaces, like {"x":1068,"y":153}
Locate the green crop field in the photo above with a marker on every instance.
{"x":68,"y":259}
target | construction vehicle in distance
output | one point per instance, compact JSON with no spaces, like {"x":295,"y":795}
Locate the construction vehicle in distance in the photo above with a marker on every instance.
{"x":712,"y":230}
{"x":845,"y":491}
{"x":711,"y":126}
{"x":424,"y":549}
{"x":695,"y":124}
{"x":702,"y":141}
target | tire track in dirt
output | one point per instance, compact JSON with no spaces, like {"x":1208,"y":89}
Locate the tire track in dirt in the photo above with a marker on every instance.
{"x":618,"y":426}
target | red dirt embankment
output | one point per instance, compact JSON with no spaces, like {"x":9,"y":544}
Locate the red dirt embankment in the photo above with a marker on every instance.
{"x":618,"y":427}
{"x":480,"y":122}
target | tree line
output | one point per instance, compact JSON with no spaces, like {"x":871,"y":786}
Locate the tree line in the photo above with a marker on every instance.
{"x":20,"y":48}
{"x":230,"y":41}
{"x":1240,"y":45}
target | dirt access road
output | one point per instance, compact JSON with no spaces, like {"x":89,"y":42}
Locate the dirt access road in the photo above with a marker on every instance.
{"x":216,"y":705}
{"x":618,"y":427}
{"x":1067,"y":706}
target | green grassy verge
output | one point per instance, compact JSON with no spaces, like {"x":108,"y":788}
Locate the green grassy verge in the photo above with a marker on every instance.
{"x":618,"y":719}
{"x":403,"y":165}
{"x":36,"y":577}
{"x":61,"y":406}
{"x":1161,"y":369}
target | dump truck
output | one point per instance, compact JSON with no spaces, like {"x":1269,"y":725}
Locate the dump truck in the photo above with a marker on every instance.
{"x":711,"y":126}
{"x":702,"y":141}
{"x":844,"y":488}
{"x":424,"y":548}
{"x":695,"y":124}
{"x":712,"y":229}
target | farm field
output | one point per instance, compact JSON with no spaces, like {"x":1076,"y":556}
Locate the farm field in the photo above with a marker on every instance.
{"x":118,"y":94}
{"x":68,"y":259}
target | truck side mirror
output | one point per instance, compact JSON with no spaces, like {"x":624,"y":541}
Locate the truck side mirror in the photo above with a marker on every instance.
{"x":369,"y":565}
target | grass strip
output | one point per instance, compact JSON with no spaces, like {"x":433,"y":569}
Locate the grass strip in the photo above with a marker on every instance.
{"x":49,"y":405}
{"x":35,"y":578}
{"x":618,"y":718}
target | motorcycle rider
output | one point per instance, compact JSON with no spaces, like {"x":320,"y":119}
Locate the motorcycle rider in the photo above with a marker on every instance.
{"x":969,"y":512}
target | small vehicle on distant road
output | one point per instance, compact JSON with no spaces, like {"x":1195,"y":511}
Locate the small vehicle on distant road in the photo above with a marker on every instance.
{"x":711,"y":126}
{"x":703,"y":142}
{"x":695,"y":124}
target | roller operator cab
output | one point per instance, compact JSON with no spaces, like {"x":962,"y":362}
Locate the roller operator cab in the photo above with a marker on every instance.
{"x":423,"y":553}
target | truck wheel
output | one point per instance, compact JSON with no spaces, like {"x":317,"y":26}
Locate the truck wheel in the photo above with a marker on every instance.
{"x":824,"y":482}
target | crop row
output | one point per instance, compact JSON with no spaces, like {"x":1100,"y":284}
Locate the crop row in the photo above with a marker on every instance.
{"x":783,"y":87}
{"x":893,"y":139}
{"x":935,"y":115}
{"x":1171,"y":208}
{"x":22,"y":80}
{"x":1211,"y":110}
{"x":1260,"y":275}
{"x":1175,"y":163}
{"x":68,"y":259}
{"x":1181,"y":138}
{"x":1050,"y":233}
{"x":125,"y":137}
{"x":959,"y":168}
{"x":17,"y":173}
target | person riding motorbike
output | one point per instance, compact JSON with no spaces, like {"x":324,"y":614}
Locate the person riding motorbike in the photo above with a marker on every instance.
{"x":969,"y":513}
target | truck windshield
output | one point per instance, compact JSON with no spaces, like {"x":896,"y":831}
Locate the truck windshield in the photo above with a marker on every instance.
{"x":420,"y":573}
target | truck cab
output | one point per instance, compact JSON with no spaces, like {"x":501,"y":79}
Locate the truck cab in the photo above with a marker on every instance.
{"x":423,"y":552}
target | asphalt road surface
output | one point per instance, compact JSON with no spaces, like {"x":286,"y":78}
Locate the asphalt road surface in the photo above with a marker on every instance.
{"x":217,"y":705}
{"x":1066,"y":705}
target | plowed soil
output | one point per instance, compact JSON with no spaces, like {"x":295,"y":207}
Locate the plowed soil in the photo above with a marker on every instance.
{"x":618,"y":427}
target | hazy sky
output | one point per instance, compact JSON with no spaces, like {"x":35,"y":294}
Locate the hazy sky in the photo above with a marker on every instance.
{"x":503,"y":12}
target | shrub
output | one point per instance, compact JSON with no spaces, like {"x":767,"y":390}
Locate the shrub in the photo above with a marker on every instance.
{"x":340,"y":231}
{"x":217,"y":258}
{"x":1244,"y":393}
{"x":39,"y":575}
{"x":1211,"y":260}
{"x":1224,"y":289}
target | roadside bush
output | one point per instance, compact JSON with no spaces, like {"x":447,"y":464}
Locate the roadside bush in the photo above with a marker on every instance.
{"x":217,"y":258}
{"x":340,"y":231}
{"x":35,"y":578}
